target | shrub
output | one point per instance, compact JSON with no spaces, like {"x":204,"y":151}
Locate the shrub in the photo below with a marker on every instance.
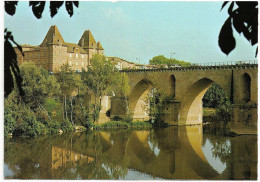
{"x":66,"y":126}
{"x":9,"y":124}
{"x":128,"y":119}
{"x":29,"y":126}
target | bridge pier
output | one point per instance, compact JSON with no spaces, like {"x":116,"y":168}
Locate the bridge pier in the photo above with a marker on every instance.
{"x":118,"y":107}
{"x":171,"y":110}
{"x":244,"y":115}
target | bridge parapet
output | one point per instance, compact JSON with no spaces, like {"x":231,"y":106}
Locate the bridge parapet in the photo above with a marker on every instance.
{"x":203,"y":66}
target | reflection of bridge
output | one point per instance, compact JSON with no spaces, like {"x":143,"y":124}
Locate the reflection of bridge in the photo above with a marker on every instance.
{"x":187,"y":86}
{"x":170,"y":153}
{"x":178,"y":153}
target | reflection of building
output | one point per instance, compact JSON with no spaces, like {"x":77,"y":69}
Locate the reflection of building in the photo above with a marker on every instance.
{"x":53,"y":52}
{"x":62,"y":156}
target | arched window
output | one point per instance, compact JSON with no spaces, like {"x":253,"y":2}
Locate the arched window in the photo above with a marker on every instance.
{"x":173,"y":85}
{"x":246,"y":87}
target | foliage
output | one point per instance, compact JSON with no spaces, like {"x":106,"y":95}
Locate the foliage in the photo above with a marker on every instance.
{"x":224,"y":111}
{"x":157,"y":60}
{"x":128,"y":118}
{"x":155,"y":105}
{"x":122,"y":87}
{"x":37,"y":84}
{"x":123,"y":124}
{"x":222,"y":149}
{"x":96,"y":111}
{"x":103,"y":79}
{"x":66,"y":126}
{"x":9,"y":124}
{"x":66,"y":79}
{"x":216,"y":98}
{"x":19,"y":119}
{"x":38,"y":7}
{"x":27,"y":116}
{"x":100,"y":77}
{"x":52,"y":106}
{"x":11,"y":69}
{"x":69,"y":82}
{"x":243,"y":16}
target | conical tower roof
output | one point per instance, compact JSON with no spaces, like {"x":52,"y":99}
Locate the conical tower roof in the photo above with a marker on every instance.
{"x":99,"y":46}
{"x":87,"y":41}
{"x":52,"y":37}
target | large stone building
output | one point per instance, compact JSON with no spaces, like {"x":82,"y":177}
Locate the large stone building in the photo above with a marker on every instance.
{"x":53,"y":52}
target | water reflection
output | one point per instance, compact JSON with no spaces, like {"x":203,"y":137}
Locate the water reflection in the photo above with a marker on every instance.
{"x":170,"y":153}
{"x":214,"y":160}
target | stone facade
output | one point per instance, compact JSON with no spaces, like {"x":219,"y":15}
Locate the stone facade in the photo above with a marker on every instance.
{"x":53,"y":52}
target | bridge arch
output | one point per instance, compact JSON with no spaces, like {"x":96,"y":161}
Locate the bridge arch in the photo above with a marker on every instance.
{"x":191,"y":105}
{"x":138,"y":99}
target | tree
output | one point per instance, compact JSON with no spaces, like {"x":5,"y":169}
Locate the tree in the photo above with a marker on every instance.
{"x":157,"y":60}
{"x":102,"y":79}
{"x":11,"y":69}
{"x":216,"y":98}
{"x":26,"y":115}
{"x":37,"y":85}
{"x":68,"y":84}
{"x":243,"y":17}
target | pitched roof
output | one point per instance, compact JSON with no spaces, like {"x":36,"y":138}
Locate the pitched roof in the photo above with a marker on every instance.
{"x":87,"y":41}
{"x":52,"y":37}
{"x":99,"y":46}
{"x":72,"y":46}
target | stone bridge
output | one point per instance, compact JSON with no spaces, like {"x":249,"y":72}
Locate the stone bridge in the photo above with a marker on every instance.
{"x":185,"y":88}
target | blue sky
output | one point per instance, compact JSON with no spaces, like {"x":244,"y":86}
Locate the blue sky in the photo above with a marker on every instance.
{"x":137,"y":31}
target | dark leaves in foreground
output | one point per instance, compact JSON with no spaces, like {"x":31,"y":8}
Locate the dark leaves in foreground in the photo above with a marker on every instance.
{"x":244,"y":18}
{"x":54,"y":7}
{"x":69,"y":6}
{"x":10,"y":7}
{"x":226,"y":40}
{"x":11,"y":69}
{"x":37,"y":8}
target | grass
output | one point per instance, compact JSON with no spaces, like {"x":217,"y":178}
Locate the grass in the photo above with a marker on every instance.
{"x":123,"y":125}
{"x":209,"y":111}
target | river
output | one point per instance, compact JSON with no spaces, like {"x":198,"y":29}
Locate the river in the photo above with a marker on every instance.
{"x":189,"y":152}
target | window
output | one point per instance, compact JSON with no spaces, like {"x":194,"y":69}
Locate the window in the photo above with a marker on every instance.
{"x":43,"y":62}
{"x":60,"y":53}
{"x":60,"y":61}
{"x":82,"y":56}
{"x":77,"y":55}
{"x":39,"y":62}
{"x":70,"y":63}
{"x":70,"y":55}
{"x":77,"y":63}
{"x":82,"y":63}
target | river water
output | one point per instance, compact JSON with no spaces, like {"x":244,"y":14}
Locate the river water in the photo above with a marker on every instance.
{"x":189,"y":152}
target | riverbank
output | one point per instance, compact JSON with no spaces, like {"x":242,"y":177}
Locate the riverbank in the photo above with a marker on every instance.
{"x":122,"y":124}
{"x":241,"y":129}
